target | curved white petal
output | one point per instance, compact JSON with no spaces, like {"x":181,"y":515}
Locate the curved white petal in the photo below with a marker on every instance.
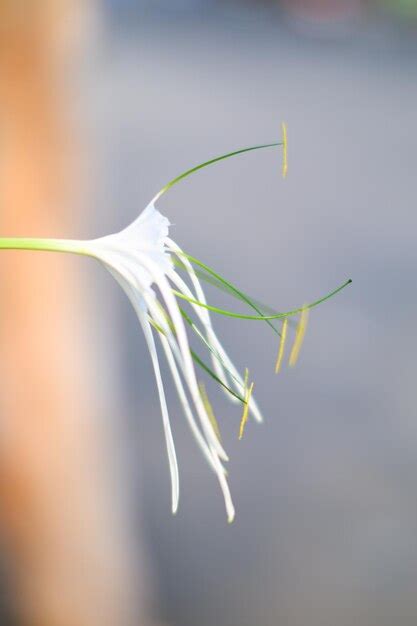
{"x":210,"y":454}
{"x":125,"y":282}
{"x":122,"y":276}
{"x":184,"y":402}
{"x":173,"y":310}
{"x":201,"y":313}
{"x":236,"y":379}
{"x":172,"y":458}
{"x":213,"y":441}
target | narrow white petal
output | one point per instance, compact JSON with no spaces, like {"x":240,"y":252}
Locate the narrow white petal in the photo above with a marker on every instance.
{"x":123,"y":277}
{"x":203,"y":314}
{"x":196,"y":283}
{"x":189,"y":371}
{"x":193,"y":387}
{"x":184,"y":402}
{"x":173,"y":465}
{"x":230,"y":509}
{"x":209,"y":453}
{"x":236,"y":379}
{"x":175,"y":351}
{"x":205,"y":319}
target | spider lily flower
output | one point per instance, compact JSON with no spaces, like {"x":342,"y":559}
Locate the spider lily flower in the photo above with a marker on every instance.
{"x":146,"y":263}
{"x":140,"y":259}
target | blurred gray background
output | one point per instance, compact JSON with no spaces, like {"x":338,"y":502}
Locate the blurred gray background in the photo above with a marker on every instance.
{"x":325,"y":490}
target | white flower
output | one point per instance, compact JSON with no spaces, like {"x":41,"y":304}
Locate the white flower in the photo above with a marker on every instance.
{"x":144,"y":261}
{"x":140,"y":258}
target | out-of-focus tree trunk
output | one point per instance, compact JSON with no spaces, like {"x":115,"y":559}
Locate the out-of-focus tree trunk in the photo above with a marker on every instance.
{"x":62,"y":528}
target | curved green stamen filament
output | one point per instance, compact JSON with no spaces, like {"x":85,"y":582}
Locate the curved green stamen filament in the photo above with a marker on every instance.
{"x":187,"y":173}
{"x":261,"y":317}
{"x":232,"y":288}
{"x":210,"y":372}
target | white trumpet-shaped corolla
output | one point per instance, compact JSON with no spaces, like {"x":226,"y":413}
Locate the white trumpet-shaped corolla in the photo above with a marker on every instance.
{"x":158,"y":278}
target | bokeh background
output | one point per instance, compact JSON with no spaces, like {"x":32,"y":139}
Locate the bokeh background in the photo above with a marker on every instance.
{"x":325,"y":490}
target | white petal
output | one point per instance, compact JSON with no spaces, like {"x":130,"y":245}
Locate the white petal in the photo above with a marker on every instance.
{"x":189,"y":371}
{"x":121,"y":274}
{"x":196,"y":283}
{"x":210,"y":455}
{"x":230,"y":509}
{"x":236,"y":379}
{"x":172,"y":458}
{"x":201,"y":312}
{"x":184,"y":402}
{"x":191,"y":381}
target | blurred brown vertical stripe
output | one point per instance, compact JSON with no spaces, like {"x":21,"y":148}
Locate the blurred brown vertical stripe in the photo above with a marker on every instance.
{"x":61,"y":527}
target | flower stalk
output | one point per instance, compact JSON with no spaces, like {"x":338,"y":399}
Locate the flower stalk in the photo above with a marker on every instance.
{"x":73,"y":246}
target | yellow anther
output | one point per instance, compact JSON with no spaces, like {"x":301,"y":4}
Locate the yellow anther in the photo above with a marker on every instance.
{"x":299,"y":337}
{"x":245,"y":411}
{"x":209,"y":410}
{"x":281,"y":345}
{"x":284,"y":150}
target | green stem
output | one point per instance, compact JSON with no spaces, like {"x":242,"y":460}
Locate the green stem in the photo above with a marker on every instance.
{"x":73,"y":246}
